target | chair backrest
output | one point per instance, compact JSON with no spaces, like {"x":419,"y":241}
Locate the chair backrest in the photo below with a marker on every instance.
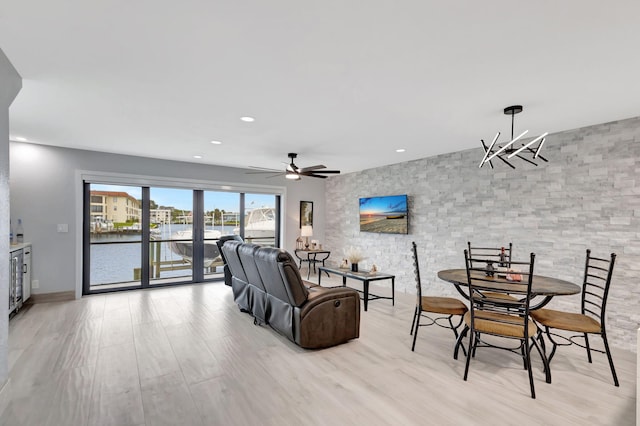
{"x":230,"y":249}
{"x":416,"y":269}
{"x":483,"y":255}
{"x":485,"y":292}
{"x":246,"y":253}
{"x":280,"y":275}
{"x":223,"y":239}
{"x":595,"y":288}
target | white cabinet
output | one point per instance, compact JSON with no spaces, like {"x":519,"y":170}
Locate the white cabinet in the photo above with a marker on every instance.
{"x":19,"y":276}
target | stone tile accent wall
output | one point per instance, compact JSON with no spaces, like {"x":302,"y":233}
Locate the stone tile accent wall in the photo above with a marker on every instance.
{"x":587,"y":196}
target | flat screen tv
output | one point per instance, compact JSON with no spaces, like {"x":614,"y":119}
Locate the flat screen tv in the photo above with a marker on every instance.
{"x":388,"y":214}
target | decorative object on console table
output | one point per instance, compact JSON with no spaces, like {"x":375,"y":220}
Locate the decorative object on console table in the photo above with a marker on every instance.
{"x":354,"y":255}
{"x":306,"y":213}
{"x":489,"y":269}
{"x":306,"y":231}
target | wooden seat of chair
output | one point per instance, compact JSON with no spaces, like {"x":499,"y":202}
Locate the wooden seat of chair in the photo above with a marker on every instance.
{"x":500,"y":324}
{"x":566,"y":321}
{"x":443,"y":305}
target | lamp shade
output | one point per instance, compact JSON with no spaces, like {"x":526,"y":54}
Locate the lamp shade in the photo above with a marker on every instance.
{"x":306,"y":231}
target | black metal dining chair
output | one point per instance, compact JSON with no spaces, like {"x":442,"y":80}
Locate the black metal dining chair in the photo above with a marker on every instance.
{"x":504,"y":317}
{"x":591,"y":319}
{"x":447,"y":307}
{"x":486,"y":256}
{"x":495,"y":255}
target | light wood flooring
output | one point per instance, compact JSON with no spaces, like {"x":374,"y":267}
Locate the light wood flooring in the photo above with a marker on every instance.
{"x":187,"y":356}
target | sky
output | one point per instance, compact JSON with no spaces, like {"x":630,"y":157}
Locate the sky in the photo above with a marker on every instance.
{"x":182,"y":199}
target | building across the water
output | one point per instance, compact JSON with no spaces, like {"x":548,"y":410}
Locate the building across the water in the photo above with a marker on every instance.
{"x":114,"y":207}
{"x":160,"y":215}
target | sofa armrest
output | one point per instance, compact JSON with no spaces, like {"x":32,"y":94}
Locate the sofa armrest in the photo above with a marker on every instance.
{"x":309,"y":284}
{"x":329,"y":317}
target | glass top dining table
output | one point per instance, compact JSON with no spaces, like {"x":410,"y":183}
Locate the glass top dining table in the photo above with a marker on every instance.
{"x":545,"y":288}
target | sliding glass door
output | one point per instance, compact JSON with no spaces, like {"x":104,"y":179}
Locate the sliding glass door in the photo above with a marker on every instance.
{"x":114,"y":233}
{"x":141,"y":236}
{"x":171,"y":236}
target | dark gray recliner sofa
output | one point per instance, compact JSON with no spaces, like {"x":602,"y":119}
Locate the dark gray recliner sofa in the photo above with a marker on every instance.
{"x":266,"y":283}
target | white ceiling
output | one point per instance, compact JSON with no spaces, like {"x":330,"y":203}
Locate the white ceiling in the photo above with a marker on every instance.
{"x":342,"y":83}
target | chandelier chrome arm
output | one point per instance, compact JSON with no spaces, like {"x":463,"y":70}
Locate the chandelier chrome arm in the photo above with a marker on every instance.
{"x":542,"y":136}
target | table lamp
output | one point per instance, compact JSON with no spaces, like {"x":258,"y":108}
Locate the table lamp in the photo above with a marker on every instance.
{"x":306,"y":231}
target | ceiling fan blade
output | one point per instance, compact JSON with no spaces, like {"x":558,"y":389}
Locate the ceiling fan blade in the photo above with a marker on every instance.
{"x":264,"y":169}
{"x":311,"y":168}
{"x":273,"y":173}
{"x":313,"y":175}
{"x":327,"y":171}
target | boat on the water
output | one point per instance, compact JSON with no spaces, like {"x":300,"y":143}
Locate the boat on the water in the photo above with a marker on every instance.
{"x":395,"y":216}
{"x":259,"y":224}
{"x":182,"y":244}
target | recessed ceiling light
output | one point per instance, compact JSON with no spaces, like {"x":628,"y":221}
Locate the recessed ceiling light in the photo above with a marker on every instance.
{"x":400,"y":150}
{"x":197,"y":156}
{"x":20,"y":139}
{"x":216,"y":142}
{"x":248,"y":119}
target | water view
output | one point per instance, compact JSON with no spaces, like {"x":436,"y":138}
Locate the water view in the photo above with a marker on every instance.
{"x":119,"y":261}
{"x":116,"y":232}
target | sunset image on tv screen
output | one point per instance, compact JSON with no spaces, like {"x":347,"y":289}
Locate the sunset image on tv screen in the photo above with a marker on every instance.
{"x":384,"y":214}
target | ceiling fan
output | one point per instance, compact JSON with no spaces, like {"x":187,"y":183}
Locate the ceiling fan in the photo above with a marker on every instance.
{"x":294,"y":172}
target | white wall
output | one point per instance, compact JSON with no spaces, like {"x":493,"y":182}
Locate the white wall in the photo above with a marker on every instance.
{"x":45,"y":192}
{"x":10,"y":85}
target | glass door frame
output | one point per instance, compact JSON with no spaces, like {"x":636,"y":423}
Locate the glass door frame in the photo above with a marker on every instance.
{"x":198,"y":225}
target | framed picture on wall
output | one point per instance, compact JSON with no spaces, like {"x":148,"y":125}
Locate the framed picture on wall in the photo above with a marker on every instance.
{"x":306,"y":213}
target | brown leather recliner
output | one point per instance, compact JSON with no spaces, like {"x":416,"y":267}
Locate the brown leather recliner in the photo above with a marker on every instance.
{"x":267,"y":284}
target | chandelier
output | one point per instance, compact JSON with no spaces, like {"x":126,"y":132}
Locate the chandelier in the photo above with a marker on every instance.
{"x":509,"y":150}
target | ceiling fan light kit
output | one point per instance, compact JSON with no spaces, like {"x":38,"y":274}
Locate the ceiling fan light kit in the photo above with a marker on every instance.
{"x":291,"y":175}
{"x":509,"y":150}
